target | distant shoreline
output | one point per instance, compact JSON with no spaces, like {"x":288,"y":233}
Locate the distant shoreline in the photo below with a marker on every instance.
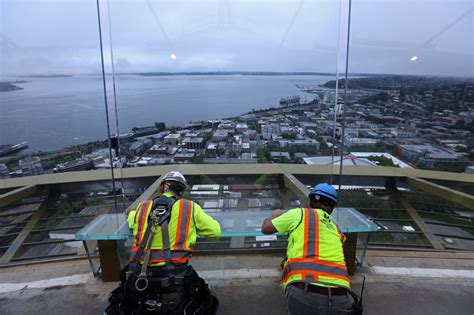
{"x":249,"y":73}
{"x":243,"y":73}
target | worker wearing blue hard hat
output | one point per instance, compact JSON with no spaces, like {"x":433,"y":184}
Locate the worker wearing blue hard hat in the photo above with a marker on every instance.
{"x":314,"y":272}
{"x":324,"y":194}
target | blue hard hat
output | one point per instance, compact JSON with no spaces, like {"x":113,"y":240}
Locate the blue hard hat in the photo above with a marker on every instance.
{"x":326,"y":190}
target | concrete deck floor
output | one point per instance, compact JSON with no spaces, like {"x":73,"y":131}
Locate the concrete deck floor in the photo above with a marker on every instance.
{"x":241,"y":291}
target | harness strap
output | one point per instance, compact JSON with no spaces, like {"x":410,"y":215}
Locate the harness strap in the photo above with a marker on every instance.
{"x":146,"y":261}
{"x":146,"y":235}
{"x":145,"y":246}
{"x":144,"y":243}
{"x":165,"y":236}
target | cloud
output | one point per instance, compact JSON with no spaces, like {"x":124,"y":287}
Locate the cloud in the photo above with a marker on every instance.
{"x":61,"y":37}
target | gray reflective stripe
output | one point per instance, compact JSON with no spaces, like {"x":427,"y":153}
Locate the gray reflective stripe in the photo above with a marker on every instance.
{"x":159,"y":255}
{"x":311,"y":232}
{"x":182,"y":233}
{"x":313,"y":266}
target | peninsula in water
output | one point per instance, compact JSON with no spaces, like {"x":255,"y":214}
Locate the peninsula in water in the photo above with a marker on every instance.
{"x":7,"y":86}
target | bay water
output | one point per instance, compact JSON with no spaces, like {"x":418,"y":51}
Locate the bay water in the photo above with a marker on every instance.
{"x":55,"y":112}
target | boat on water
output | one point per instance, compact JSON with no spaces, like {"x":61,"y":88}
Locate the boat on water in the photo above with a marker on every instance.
{"x":290,"y":100}
{"x":11,"y":148}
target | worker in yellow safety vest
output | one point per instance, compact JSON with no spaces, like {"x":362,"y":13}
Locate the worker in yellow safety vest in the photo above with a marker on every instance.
{"x":158,"y":279}
{"x":314,"y":273}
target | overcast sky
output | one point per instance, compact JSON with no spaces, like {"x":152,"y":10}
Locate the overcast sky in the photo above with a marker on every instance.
{"x":53,"y":37}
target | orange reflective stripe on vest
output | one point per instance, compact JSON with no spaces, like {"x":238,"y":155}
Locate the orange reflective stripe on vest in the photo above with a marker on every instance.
{"x":314,"y":266}
{"x":157,"y":256}
{"x":309,"y":266}
{"x":313,"y":276}
{"x":184,"y":218}
{"x":142,"y":218}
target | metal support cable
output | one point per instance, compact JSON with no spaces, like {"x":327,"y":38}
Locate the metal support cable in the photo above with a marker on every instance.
{"x":337,"y":94}
{"x":106,"y":104}
{"x":115,"y":107}
{"x":345,"y":95}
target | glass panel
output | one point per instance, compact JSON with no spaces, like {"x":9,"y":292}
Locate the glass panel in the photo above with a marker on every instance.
{"x":415,"y":87}
{"x":387,"y":225}
{"x":211,"y":245}
{"x":351,"y":220}
{"x":443,"y":218}
{"x":52,"y":105}
{"x":222,"y":193}
{"x":452,"y":230}
{"x":207,"y":82}
{"x":47,"y":250}
{"x":52,"y":120}
{"x":385,"y":214}
{"x":367,"y":200}
{"x":429,"y":202}
{"x":194,"y":80}
{"x":236,"y":221}
{"x":456,"y":243}
{"x":399,"y":239}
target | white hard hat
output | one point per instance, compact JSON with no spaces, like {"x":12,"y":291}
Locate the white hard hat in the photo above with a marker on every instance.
{"x":174,"y":176}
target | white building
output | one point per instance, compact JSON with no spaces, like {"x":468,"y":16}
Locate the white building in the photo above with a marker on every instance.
{"x":220,"y":135}
{"x":241,"y":128}
{"x":205,"y":190}
{"x":336,"y":160}
{"x":173,"y":139}
{"x":31,"y":166}
{"x":269,"y":130}
{"x":245,"y":147}
{"x":303,"y":142}
{"x":361,"y":141}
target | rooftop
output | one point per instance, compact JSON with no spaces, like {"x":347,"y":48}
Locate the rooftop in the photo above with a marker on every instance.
{"x":347,"y":160}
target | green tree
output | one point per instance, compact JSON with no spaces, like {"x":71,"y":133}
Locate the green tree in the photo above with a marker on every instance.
{"x":160,"y":126}
{"x":382,"y":160}
{"x":289,"y":135}
{"x":197,"y":159}
{"x":263,"y":155}
{"x":461,"y":148}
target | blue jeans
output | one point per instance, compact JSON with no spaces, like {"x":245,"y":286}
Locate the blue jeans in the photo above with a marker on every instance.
{"x":301,"y":302}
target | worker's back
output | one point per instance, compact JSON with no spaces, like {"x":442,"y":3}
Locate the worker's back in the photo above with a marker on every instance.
{"x":314,"y":273}
{"x":315,"y":240}
{"x":158,"y":279}
{"x":187,"y":220}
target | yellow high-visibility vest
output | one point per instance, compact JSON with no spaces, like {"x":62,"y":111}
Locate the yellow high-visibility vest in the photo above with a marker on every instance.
{"x":315,"y":254}
{"x":180,"y":244}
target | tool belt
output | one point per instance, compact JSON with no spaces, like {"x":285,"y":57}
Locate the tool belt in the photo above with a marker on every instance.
{"x":183,"y":292}
{"x":319,"y":289}
{"x":161,"y":294}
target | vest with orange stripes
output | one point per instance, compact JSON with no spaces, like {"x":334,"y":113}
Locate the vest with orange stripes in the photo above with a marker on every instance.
{"x":315,"y":253}
{"x":180,"y":220}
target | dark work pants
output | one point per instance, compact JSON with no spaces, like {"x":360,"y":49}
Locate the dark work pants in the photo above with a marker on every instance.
{"x":301,"y":302}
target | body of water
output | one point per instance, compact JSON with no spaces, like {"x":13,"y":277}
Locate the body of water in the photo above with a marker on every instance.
{"x":52,"y":113}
